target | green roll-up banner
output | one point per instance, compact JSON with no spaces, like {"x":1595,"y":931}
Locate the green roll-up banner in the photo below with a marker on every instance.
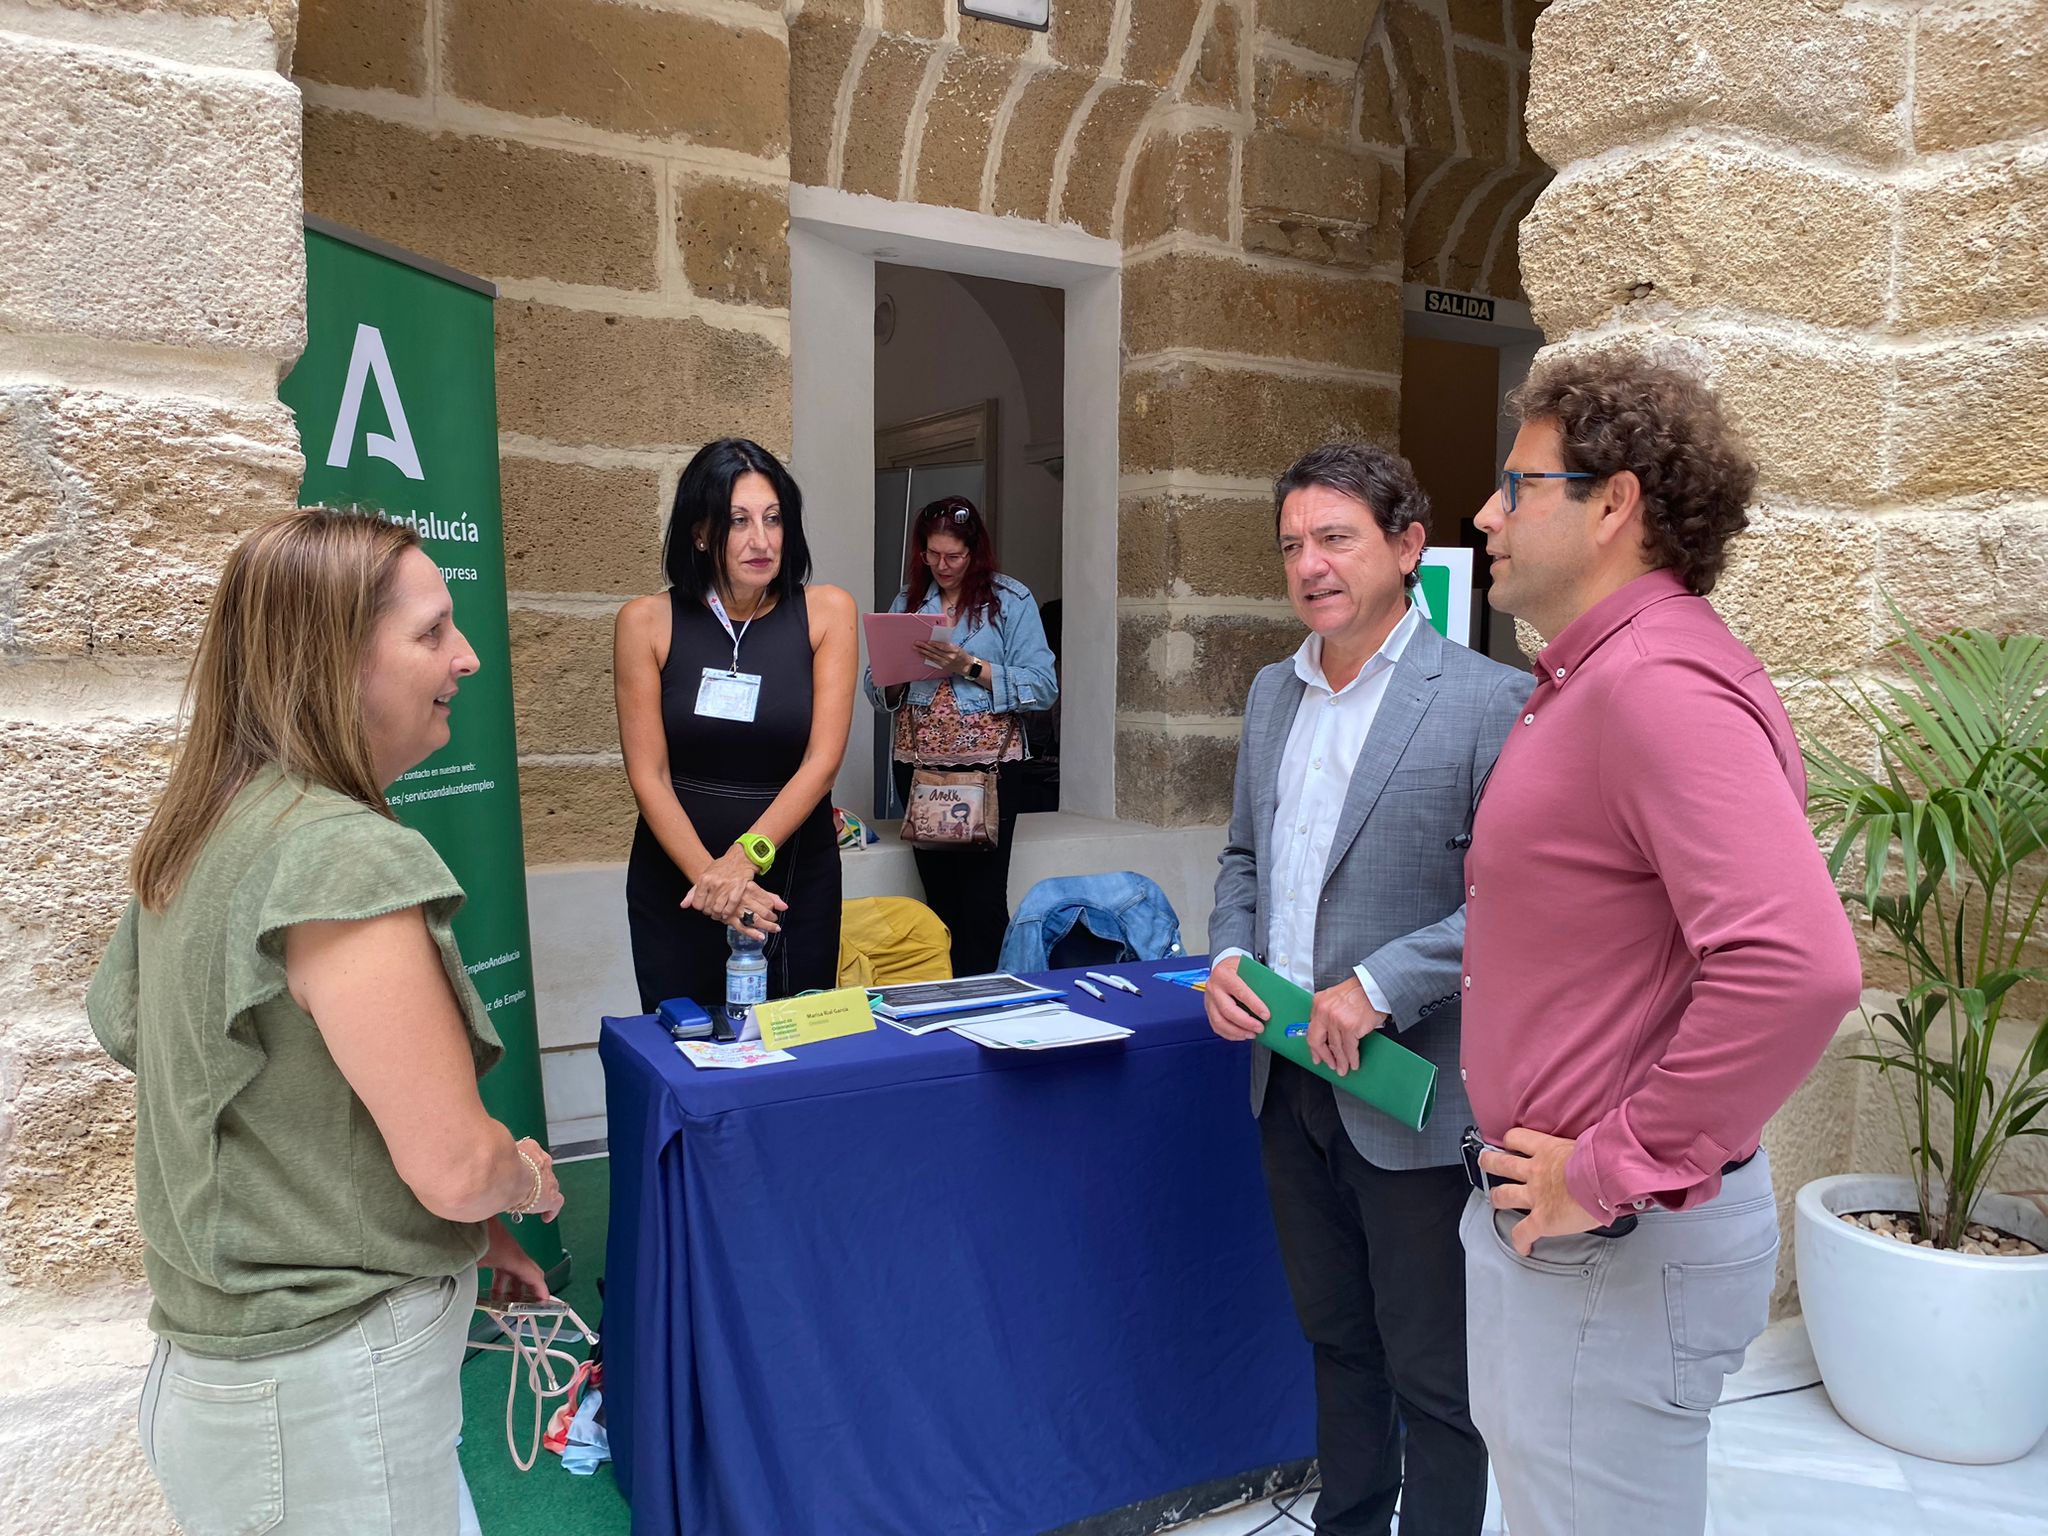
{"x":397,"y":402}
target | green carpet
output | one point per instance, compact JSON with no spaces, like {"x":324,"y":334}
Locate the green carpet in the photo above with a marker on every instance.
{"x":546,"y":1501}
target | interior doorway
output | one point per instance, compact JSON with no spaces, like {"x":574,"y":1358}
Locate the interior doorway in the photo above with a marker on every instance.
{"x":1460,"y":355}
{"x":1035,"y":327}
{"x":969,"y":402}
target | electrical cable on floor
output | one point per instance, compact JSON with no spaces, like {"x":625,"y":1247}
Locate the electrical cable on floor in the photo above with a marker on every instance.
{"x":1314,"y":1481}
{"x":1286,"y":1511}
{"x":1730,"y":1402}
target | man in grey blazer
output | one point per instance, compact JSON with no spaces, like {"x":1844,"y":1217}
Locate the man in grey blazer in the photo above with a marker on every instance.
{"x":1361,"y":759}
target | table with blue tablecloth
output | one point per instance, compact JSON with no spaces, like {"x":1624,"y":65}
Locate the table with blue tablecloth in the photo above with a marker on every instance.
{"x":908,"y":1286}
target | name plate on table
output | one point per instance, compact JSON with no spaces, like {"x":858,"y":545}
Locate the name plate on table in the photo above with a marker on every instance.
{"x":792,"y":1021}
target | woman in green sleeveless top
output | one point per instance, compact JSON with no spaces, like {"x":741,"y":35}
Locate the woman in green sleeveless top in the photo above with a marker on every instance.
{"x":316,"y":1178}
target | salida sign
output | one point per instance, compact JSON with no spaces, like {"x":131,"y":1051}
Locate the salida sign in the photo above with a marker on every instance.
{"x":1465,"y":306}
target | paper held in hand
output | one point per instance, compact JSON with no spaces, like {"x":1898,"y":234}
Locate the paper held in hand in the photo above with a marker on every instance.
{"x":893,"y":639}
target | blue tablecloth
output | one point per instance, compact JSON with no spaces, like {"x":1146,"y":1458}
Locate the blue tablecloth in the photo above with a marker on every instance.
{"x":906,"y":1285}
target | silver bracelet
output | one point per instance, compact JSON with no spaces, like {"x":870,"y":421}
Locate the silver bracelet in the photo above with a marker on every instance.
{"x":518,"y":1212}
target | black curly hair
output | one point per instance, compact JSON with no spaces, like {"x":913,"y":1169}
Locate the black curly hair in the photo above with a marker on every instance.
{"x":1620,"y":411}
{"x":1383,"y":483}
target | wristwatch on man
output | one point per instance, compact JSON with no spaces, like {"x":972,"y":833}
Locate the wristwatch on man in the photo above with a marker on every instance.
{"x":759,"y":850}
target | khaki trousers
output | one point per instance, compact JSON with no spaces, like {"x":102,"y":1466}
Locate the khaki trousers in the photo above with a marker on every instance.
{"x":352,"y":1436}
{"x":1595,"y":1361}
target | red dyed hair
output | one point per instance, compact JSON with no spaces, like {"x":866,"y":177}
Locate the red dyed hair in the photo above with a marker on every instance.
{"x":978,"y":599}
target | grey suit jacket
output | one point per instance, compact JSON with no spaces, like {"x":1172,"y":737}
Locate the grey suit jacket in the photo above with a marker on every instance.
{"x":1393,"y":897}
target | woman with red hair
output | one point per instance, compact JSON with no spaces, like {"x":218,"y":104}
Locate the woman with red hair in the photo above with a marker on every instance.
{"x":998,"y":668}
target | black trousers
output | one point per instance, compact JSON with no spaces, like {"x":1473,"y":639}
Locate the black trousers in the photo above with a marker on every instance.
{"x":1378,"y":1278}
{"x":969,"y":888}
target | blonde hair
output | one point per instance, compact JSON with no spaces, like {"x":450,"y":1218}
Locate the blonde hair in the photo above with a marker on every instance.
{"x":278,"y":679}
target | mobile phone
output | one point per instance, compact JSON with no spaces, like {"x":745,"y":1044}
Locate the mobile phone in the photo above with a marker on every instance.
{"x":1469,"y":1147}
{"x":1472,"y":1144}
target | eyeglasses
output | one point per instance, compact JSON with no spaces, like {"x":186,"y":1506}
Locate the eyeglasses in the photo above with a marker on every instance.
{"x":1510,"y":482}
{"x":953,"y":510}
{"x":935,"y":557}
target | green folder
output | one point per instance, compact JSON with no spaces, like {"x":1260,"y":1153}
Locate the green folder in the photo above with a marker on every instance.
{"x":1390,"y":1077}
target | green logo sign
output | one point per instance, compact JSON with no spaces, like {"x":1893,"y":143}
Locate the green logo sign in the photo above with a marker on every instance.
{"x":396,"y":398}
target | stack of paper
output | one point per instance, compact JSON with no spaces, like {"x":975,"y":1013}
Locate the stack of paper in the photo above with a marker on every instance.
{"x":914,"y":1006}
{"x":1045,"y":1028}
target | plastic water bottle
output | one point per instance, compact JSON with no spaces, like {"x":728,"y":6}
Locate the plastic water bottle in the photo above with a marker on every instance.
{"x":746,"y":983}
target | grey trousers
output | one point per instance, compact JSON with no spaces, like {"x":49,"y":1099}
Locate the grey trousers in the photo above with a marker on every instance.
{"x":1594,"y":1362}
{"x":352,"y":1436}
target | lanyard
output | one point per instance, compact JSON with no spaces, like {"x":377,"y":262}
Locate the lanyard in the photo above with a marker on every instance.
{"x":542,"y":1358}
{"x":718,"y":608}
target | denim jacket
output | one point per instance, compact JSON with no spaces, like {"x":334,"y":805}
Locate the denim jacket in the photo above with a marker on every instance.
{"x":1123,"y":907}
{"x":1014,"y":642}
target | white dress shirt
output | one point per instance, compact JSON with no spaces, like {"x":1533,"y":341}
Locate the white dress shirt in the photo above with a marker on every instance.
{"x":1330,"y":727}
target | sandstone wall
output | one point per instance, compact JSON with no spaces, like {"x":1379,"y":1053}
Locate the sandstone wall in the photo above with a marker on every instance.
{"x":1254,"y":161}
{"x":1274,"y":169}
{"x":621,"y":171}
{"x":151,"y":291}
{"x":1833,"y":208}
{"x":1835,"y":211}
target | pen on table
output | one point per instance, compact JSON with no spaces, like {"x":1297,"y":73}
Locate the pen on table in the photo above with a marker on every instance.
{"x":1093,"y":991}
{"x":1115,"y":981}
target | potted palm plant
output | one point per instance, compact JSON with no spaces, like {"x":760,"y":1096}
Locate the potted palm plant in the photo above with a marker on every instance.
{"x":1926,"y":1296}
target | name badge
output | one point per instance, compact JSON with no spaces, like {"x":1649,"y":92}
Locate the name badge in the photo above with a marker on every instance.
{"x":727,"y":695}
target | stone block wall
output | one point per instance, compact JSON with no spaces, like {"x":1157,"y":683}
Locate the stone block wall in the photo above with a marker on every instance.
{"x":1834,"y":211}
{"x":1848,"y":244}
{"x":151,"y":292}
{"x":1455,"y":95}
{"x":621,"y":171}
{"x":1274,"y":168}
{"x":1253,"y":158}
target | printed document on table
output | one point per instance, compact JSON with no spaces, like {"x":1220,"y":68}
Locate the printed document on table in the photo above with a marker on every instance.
{"x":1039,"y":1030}
{"x":958,"y":994}
{"x":931,"y":1024}
{"x":730,"y":1053}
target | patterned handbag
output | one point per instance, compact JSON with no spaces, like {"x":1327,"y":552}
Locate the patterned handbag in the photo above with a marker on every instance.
{"x":955,"y":807}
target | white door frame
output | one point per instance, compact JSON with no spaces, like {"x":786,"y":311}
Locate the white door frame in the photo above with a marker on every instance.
{"x":835,"y":239}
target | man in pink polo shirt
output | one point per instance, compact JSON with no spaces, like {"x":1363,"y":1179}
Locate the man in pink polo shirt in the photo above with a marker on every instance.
{"x":1654,"y":960}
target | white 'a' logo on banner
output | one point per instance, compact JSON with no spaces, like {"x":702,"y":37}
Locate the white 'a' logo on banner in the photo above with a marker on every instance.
{"x":366,"y":361}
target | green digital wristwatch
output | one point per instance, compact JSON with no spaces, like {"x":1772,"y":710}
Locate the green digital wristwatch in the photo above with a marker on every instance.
{"x":759,"y":850}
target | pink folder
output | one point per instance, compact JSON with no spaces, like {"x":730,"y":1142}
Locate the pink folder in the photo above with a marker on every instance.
{"x":893,"y":639}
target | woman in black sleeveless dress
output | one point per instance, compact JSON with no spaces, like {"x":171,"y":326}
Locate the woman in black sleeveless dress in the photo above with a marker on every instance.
{"x":735,"y":693}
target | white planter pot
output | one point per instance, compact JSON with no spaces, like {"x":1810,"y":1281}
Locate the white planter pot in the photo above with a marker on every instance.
{"x":1937,"y":1354}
